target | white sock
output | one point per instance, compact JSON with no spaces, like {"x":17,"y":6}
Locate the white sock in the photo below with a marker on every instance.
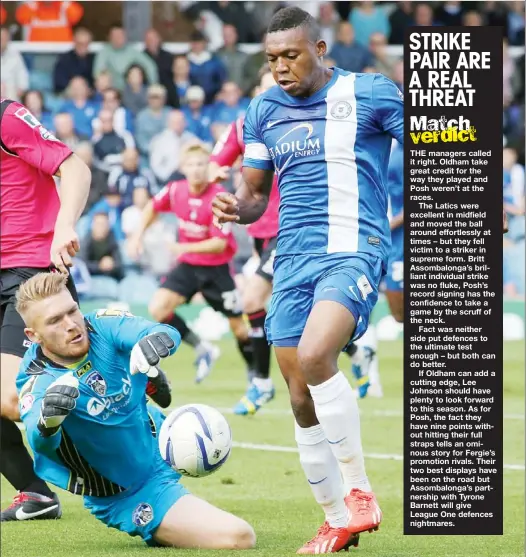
{"x":370,"y":340}
{"x":323,"y":474}
{"x":264,"y":385}
{"x":337,"y":411}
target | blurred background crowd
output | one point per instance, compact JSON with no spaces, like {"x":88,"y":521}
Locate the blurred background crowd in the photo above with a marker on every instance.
{"x":127,"y":108}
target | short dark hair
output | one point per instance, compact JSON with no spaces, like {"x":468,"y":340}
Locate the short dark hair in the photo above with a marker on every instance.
{"x":293,"y":17}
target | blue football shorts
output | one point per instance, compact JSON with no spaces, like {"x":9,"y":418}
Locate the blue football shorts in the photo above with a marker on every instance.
{"x":140,"y":511}
{"x":300,"y":281}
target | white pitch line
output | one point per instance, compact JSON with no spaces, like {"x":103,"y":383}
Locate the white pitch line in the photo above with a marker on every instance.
{"x":372,"y":456}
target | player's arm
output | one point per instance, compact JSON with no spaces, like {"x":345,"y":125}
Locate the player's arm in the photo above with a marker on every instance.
{"x":225,"y":153}
{"x":45,"y":402}
{"x":211,"y":245}
{"x":388,"y":103}
{"x":125,"y":331}
{"x":251,"y":199}
{"x":397,"y":221}
{"x":23,"y":135}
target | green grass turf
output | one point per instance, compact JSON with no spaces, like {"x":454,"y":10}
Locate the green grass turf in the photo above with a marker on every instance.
{"x":268,"y":488}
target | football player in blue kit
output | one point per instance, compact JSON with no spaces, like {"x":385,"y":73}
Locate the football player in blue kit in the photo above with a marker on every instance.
{"x":327,"y":134}
{"x":394,"y":281}
{"x":82,"y":388}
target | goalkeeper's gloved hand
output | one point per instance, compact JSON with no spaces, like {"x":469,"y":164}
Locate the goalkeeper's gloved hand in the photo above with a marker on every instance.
{"x":60,"y":399}
{"x":147,"y":353}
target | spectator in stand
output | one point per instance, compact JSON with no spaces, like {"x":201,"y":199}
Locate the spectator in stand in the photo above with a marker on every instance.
{"x":206,"y":69}
{"x":424,"y":17}
{"x":151,"y":120}
{"x":100,"y":251}
{"x":236,"y":15}
{"x":399,"y":20}
{"x":156,"y":257}
{"x":64,"y":129}
{"x":366,"y":19}
{"x":82,"y":109}
{"x":508,"y":70}
{"x":229,"y":107}
{"x":162,"y":58}
{"x":232,"y":58}
{"x":102,"y":83}
{"x":75,"y":62}
{"x":14,"y":75}
{"x":49,"y":21}
{"x":117,"y":56}
{"x":111,"y":205}
{"x":450,"y":13}
{"x":123,"y":120}
{"x":125,"y":179}
{"x":134,"y":97}
{"x":108,"y":144}
{"x":99,"y":178}
{"x":252,"y":67}
{"x":472,"y":19}
{"x":180,"y":82}
{"x":397,"y":74}
{"x":383,"y":62}
{"x":198,"y":117}
{"x":3,"y":15}
{"x":516,"y":23}
{"x":348,"y":54}
{"x":34,"y":101}
{"x":165,"y":148}
{"x":328,"y":22}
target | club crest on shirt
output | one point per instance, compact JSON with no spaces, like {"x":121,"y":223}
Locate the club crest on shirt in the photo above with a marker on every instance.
{"x":96,"y":382}
{"x":341,"y":110}
{"x":142,"y":515}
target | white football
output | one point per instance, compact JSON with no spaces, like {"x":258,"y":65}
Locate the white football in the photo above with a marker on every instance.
{"x":195,"y":440}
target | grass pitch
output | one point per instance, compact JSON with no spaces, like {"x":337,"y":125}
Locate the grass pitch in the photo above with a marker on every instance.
{"x":263,"y":481}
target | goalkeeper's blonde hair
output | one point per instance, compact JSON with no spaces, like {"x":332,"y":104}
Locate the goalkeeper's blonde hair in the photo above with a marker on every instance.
{"x":37,"y":288}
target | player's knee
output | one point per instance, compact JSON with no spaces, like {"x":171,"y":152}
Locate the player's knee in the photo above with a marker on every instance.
{"x":242,"y":536}
{"x":9,"y":405}
{"x":252,"y":302}
{"x":312,"y":358}
{"x":159,"y":312}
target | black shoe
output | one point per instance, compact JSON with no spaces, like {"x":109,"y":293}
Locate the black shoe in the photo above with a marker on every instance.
{"x":32,"y":506}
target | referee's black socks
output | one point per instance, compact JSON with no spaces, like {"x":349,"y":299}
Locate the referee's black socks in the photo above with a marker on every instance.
{"x":16,"y":464}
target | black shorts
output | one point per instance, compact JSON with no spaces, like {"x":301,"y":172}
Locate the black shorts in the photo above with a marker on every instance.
{"x":215,"y":284}
{"x":12,"y":337}
{"x":266,"y":249}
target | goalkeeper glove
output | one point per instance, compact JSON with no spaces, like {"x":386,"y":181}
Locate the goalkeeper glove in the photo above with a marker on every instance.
{"x":147,"y":353}
{"x":59,"y":400}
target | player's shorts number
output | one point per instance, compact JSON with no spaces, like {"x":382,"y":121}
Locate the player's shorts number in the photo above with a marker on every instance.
{"x":232,"y":301}
{"x":397,"y":271}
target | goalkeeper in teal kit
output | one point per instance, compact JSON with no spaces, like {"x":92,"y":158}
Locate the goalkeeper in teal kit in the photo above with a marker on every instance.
{"x":83,"y":388}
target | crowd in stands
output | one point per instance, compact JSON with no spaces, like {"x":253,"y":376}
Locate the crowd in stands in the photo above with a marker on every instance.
{"x":127,"y":112}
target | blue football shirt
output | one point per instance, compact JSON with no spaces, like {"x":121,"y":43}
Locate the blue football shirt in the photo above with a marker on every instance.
{"x":331,"y":154}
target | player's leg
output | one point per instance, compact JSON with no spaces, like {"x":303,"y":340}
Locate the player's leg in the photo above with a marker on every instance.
{"x":288,"y":313}
{"x":342,"y":305}
{"x":178,"y":287}
{"x":395,"y":299}
{"x":16,"y":464}
{"x":255,"y":297}
{"x":219,"y":290}
{"x":195,"y":524}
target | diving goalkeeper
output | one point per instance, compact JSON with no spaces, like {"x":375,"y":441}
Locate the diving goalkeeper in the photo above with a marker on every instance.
{"x":82,"y":389}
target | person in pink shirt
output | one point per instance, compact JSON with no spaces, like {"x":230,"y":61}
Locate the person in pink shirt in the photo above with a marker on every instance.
{"x":203,"y":251}
{"x":37,"y":233}
{"x":259,"y":286}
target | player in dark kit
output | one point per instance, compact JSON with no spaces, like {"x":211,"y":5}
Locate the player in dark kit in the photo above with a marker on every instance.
{"x":37,"y":233}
